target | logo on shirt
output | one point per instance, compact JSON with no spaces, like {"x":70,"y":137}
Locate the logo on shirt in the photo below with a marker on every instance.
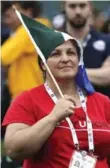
{"x":99,"y":45}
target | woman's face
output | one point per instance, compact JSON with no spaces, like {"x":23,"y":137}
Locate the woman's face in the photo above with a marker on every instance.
{"x":63,"y":61}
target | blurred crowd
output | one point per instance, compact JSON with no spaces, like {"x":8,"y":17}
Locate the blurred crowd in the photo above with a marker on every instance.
{"x":20,"y":70}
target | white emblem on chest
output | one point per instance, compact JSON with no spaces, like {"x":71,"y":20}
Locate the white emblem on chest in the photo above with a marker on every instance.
{"x":82,"y":124}
{"x":99,"y":45}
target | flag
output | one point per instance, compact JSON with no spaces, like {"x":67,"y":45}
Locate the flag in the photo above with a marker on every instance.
{"x":46,"y":39}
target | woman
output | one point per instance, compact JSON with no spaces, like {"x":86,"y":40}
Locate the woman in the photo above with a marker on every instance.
{"x":46,"y":130}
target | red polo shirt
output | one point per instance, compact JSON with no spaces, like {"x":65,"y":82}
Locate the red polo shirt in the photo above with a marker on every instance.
{"x":35,"y":104}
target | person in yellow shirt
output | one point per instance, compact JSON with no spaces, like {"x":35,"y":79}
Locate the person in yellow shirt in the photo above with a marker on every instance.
{"x":18,"y":52}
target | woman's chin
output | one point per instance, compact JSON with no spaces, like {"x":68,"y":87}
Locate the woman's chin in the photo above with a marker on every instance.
{"x":66,"y":76}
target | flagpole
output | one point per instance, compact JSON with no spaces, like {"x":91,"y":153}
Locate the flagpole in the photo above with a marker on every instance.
{"x":39,"y":52}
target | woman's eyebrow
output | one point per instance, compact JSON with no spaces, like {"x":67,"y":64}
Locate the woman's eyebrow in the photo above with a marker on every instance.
{"x":71,"y":49}
{"x":60,"y":50}
{"x":55,"y":51}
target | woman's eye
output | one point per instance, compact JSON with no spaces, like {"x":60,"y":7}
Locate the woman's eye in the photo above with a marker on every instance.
{"x":55,"y":54}
{"x":71,"y":53}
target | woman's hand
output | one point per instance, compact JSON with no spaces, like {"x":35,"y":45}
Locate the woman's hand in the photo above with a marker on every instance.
{"x":63,"y":108}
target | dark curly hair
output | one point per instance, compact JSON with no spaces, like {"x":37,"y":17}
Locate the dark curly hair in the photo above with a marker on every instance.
{"x":35,"y":6}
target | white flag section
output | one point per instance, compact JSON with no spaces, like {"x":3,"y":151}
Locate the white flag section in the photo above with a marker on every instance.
{"x":39,"y":51}
{"x":68,"y":37}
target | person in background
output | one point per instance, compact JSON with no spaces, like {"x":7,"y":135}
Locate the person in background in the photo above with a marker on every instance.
{"x":5,"y":32}
{"x":5,"y":96}
{"x":102,"y":18}
{"x":58,"y":21}
{"x":106,"y":27}
{"x":96,"y":45}
{"x":37,"y":128}
{"x":18,"y":53}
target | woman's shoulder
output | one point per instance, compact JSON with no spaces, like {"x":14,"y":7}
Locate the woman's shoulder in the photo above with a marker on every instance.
{"x":100,"y":97}
{"x":99,"y":100}
{"x":31,"y":93}
{"x":39,"y":90}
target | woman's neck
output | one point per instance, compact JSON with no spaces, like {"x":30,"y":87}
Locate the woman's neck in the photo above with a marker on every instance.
{"x":67,"y":87}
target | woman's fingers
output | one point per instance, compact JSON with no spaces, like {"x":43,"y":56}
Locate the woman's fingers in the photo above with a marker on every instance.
{"x":69,"y":98}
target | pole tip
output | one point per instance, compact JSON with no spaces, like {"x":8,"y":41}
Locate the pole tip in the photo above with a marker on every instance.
{"x":14,"y":7}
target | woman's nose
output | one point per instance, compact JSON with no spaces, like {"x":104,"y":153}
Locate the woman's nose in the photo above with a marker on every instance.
{"x":64,"y":57}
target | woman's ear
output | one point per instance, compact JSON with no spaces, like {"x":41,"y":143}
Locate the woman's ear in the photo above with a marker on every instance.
{"x":43,"y":66}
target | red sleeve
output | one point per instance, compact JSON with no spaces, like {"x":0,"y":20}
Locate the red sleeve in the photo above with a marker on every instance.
{"x":107,"y":110}
{"x":20,"y":111}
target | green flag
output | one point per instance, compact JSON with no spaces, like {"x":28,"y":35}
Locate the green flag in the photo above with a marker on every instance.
{"x":45,"y":39}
